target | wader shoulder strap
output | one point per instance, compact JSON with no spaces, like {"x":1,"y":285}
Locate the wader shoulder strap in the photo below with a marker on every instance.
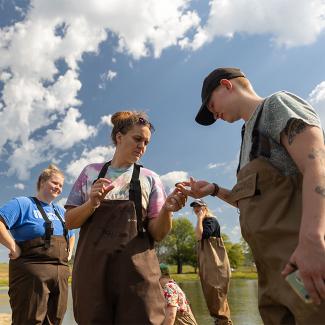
{"x":260,"y":143}
{"x":48,"y":223}
{"x":135,"y":195}
{"x":65,"y":229}
{"x":102,"y":172}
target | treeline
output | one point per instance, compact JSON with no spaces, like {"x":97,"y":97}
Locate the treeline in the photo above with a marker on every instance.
{"x":179,"y":247}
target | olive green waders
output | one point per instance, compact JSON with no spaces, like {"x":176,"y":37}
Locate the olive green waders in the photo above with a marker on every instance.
{"x":214,"y":273}
{"x":270,"y":207}
{"x":116,"y":271}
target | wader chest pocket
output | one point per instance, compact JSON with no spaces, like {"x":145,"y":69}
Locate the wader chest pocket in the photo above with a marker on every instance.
{"x":244,"y":188}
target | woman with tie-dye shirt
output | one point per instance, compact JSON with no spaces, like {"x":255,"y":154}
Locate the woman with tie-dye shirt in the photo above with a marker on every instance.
{"x":122,"y":209}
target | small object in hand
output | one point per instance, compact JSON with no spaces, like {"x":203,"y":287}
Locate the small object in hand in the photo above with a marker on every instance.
{"x":297,"y":285}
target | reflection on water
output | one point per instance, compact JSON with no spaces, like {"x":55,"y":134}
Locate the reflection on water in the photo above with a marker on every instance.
{"x":242,"y":301}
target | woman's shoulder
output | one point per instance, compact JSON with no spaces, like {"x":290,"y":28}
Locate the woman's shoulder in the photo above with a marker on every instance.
{"x":148,"y":172}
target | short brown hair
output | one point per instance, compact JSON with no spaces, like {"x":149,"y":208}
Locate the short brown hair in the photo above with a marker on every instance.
{"x":124,"y":121}
{"x":47,"y":173}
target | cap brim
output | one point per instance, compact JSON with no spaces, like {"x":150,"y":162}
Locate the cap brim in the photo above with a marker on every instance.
{"x":204,"y":116}
{"x":195,"y":204}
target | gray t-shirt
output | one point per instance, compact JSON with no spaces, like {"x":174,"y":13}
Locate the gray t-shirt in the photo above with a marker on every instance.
{"x":278,"y":109}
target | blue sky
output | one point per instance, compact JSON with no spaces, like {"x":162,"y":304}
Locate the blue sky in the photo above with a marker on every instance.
{"x":66,"y":66}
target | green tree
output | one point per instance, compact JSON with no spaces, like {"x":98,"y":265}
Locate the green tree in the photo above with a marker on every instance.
{"x":248,"y":255}
{"x":235,"y":251}
{"x":179,"y":246}
{"x":235,"y":255}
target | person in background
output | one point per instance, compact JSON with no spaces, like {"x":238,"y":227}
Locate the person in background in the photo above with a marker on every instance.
{"x":178,"y":310}
{"x":214,"y":267}
{"x":122,"y":209}
{"x":39,"y":249}
{"x":280,"y":190}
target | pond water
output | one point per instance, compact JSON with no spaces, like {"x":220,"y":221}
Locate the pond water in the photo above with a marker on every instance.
{"x":242,"y":301}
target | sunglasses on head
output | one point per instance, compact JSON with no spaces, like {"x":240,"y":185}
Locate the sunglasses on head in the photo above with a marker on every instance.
{"x":143,"y":121}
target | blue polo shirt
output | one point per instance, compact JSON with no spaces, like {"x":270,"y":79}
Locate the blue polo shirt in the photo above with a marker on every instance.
{"x":25,"y":221}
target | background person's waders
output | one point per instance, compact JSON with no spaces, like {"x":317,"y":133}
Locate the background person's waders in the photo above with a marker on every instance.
{"x":214,"y":271}
{"x":38,"y":279}
{"x":116,"y":271}
{"x":270,"y":207}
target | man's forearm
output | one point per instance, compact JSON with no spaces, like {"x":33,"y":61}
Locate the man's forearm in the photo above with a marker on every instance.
{"x":224,"y":195}
{"x":313,"y":214}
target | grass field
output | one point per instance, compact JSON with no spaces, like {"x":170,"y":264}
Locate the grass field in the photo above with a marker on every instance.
{"x":187,"y":275}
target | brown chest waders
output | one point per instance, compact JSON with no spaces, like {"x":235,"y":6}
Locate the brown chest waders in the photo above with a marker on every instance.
{"x":214,"y":271}
{"x":116,"y":271}
{"x":270,"y":207}
{"x":38,"y":279}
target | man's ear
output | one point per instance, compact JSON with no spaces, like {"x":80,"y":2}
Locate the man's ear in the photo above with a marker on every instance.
{"x":226,"y":83}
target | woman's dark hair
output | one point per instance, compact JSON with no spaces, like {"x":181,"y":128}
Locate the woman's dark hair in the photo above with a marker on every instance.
{"x":47,"y":174}
{"x":124,"y":121}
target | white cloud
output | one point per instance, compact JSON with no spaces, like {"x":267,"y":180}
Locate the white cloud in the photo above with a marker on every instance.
{"x":288,"y":22}
{"x":216,"y":165}
{"x":19,"y":186}
{"x":107,"y":76}
{"x":107,"y":119}
{"x":170,"y":179}
{"x":317,"y":99}
{"x":96,"y":155}
{"x":110,"y":75}
{"x":69,"y":131}
{"x":39,"y":98}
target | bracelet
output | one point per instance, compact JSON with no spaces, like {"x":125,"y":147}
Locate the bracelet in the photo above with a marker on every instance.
{"x":216,"y":189}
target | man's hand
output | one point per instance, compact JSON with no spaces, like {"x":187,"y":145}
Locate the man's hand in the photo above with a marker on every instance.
{"x":309,"y":258}
{"x":196,"y":189}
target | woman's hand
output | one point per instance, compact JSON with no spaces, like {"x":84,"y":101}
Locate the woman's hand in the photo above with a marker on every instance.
{"x":15,"y":252}
{"x":195,"y":189}
{"x":99,"y":190}
{"x":175,"y":201}
{"x":199,"y":212}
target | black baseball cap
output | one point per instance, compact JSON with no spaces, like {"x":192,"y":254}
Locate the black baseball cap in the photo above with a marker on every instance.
{"x":212,"y":81}
{"x":198,"y":202}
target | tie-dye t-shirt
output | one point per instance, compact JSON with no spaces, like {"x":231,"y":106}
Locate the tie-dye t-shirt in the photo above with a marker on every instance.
{"x":153,"y":193}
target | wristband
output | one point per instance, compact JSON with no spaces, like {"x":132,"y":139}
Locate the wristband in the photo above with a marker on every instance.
{"x":216,"y":189}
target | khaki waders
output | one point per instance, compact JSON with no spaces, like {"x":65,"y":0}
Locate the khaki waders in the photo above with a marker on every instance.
{"x":270,"y":207}
{"x":185,"y":318}
{"x":116,"y":271}
{"x":214,"y":271}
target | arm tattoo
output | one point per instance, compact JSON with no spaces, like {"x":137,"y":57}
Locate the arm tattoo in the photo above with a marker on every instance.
{"x":293,"y":128}
{"x":320,"y":190}
{"x":317,"y":154}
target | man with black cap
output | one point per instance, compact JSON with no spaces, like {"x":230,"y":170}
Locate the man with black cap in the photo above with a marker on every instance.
{"x":280,"y":190}
{"x":214,"y":268}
